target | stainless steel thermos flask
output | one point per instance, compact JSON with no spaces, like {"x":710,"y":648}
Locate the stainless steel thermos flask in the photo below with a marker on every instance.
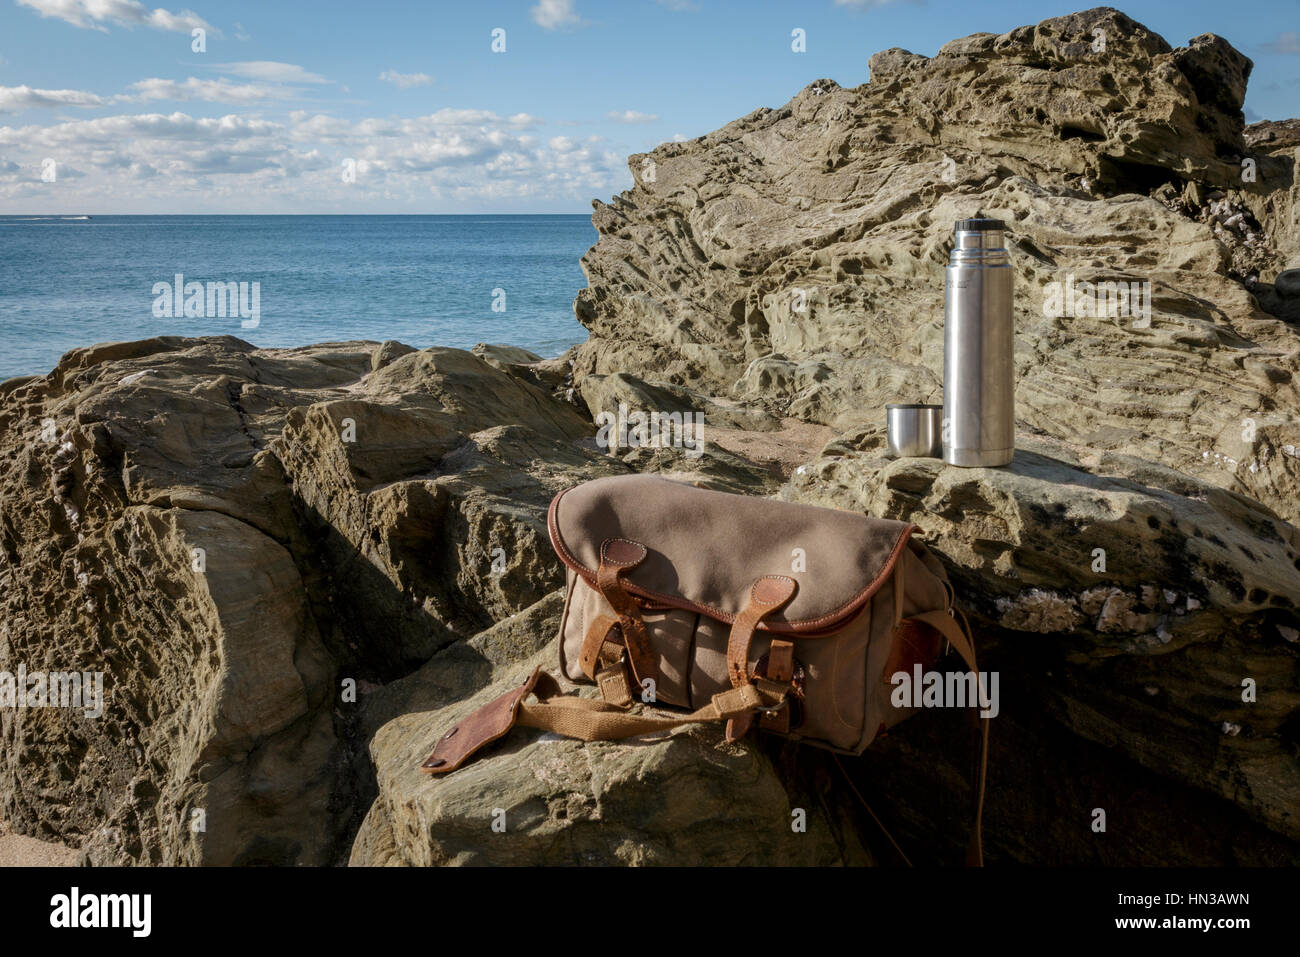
{"x":979,"y":402}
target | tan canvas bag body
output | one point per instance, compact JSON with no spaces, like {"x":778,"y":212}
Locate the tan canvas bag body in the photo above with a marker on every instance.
{"x":687,"y":605}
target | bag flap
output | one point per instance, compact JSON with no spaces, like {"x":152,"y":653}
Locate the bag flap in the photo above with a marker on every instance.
{"x":705,"y":549}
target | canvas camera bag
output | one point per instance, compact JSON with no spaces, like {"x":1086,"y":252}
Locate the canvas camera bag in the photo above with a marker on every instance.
{"x":686,"y":605}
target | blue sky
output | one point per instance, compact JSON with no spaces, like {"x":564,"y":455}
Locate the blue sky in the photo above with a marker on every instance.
{"x":431,"y":120}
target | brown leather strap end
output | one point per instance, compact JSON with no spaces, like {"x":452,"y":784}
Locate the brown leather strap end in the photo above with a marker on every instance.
{"x":598,"y":633}
{"x":738,"y":727}
{"x":766,"y":595}
{"x":618,"y":555}
{"x":485,"y":725}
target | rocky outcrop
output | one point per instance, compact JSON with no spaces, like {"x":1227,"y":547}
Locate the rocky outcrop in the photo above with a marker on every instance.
{"x":251,"y":546}
{"x":295,"y":567}
{"x":1150,"y":613}
{"x":794,"y":258}
{"x":686,"y":799}
{"x":1134,"y":574}
{"x":239,"y":540}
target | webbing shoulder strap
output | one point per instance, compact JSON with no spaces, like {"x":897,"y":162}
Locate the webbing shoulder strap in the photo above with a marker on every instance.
{"x":588,"y":719}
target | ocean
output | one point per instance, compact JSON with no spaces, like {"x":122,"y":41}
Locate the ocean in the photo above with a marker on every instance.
{"x":423,"y":280}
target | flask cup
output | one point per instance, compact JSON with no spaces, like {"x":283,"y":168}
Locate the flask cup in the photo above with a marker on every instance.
{"x":978,"y":348}
{"x":914,"y":430}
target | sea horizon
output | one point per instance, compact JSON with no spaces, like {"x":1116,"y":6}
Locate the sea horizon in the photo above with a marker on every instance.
{"x":429,"y":279}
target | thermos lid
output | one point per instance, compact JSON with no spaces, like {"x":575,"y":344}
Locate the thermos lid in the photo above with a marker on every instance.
{"x":978,"y":225}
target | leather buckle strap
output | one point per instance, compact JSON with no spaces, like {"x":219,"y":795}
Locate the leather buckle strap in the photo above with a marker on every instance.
{"x":780,"y":715}
{"x":600,"y":641}
{"x":770,"y":593}
{"x":767,"y":595}
{"x":618,"y":555}
{"x":613,"y":684}
{"x":778,"y":665}
{"x":603,"y":659}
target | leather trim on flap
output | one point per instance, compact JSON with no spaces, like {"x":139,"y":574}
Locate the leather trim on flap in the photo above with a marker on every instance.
{"x":704,"y":549}
{"x":482,"y":727}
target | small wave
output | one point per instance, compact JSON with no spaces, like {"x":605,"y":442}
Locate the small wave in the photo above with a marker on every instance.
{"x":74,"y":217}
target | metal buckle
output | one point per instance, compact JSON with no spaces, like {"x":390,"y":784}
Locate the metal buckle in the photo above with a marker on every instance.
{"x":795,"y":689}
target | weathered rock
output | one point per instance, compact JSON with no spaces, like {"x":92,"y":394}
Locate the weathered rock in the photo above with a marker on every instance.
{"x":686,"y":798}
{"x":248,"y":543}
{"x":1273,"y":149}
{"x":227,"y":533}
{"x":606,"y":394}
{"x":1287,"y":284}
{"x":460,"y":670}
{"x":794,"y":258}
{"x":371,"y":517}
{"x":1124,"y":604}
{"x":429,"y":510}
{"x":505,"y":356}
{"x":654,"y":426}
{"x":551,"y":374}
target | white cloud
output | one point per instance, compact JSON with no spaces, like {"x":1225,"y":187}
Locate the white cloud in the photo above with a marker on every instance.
{"x":16,"y":98}
{"x":93,"y":14}
{"x":554,"y":14}
{"x":165,"y":161}
{"x":269,"y":71}
{"x":631,"y":116}
{"x":214,"y":91}
{"x":126,"y":132}
{"x":405,"y":81}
